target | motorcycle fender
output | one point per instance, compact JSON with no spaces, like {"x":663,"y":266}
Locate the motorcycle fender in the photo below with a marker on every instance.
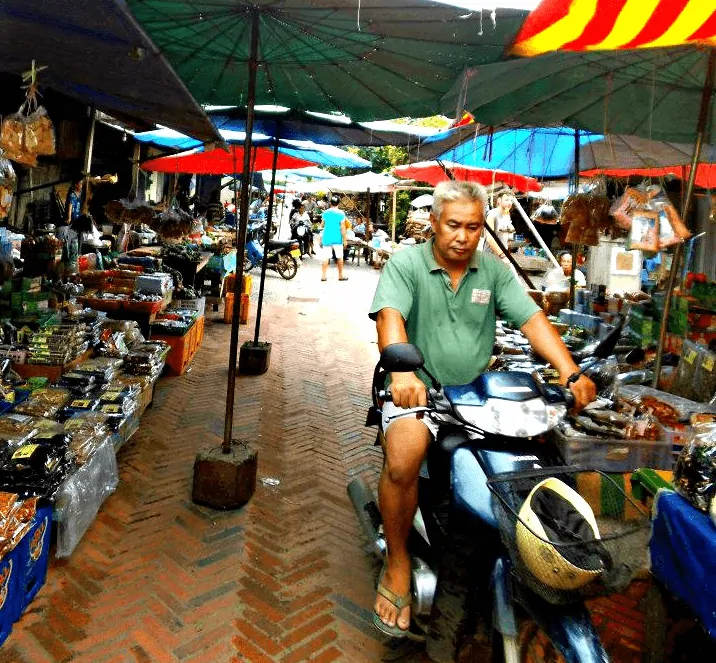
{"x":504,"y":619}
{"x":570,"y":629}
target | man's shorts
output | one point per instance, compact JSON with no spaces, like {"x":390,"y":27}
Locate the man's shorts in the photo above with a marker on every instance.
{"x":326,"y":252}
{"x":392,"y":412}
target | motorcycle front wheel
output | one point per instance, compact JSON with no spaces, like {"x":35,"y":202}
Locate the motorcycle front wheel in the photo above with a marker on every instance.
{"x":287,"y":266}
{"x":248,"y":265}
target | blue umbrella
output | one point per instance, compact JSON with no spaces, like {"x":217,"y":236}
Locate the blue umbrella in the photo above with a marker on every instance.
{"x":543,"y":153}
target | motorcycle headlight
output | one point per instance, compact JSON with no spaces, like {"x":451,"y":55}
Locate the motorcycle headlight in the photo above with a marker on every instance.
{"x":512,"y":418}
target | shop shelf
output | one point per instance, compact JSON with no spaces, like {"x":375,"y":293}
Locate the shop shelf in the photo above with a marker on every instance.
{"x":613,"y":455}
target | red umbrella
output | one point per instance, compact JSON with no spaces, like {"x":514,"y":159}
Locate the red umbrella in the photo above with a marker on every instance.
{"x":433,"y":173}
{"x":705,"y":173}
{"x":220,"y":162}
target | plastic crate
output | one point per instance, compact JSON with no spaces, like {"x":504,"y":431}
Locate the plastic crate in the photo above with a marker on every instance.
{"x":10,"y":601}
{"x":183,"y":348}
{"x":611,"y":455}
{"x":198,"y":304}
{"x":33,"y":554}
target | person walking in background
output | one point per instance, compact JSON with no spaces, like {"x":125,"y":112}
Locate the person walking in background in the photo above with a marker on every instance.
{"x":333,"y":238}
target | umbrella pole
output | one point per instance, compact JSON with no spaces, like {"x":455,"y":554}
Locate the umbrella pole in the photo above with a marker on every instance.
{"x":704,"y":113}
{"x":575,"y":247}
{"x":267,"y":239}
{"x":241,"y":235}
{"x":395,"y":212}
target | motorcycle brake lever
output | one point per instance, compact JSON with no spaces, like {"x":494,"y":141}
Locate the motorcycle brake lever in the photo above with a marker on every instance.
{"x":412,"y":410}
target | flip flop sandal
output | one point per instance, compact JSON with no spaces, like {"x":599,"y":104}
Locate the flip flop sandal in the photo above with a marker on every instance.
{"x":399,"y":602}
{"x":345,"y":278}
{"x":324,"y":279}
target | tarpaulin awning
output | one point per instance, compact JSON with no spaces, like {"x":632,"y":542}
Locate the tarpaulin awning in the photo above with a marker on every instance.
{"x":96,"y":52}
{"x":433,"y":172}
{"x":575,"y":25}
{"x":221,"y":162}
{"x":325,"y":155}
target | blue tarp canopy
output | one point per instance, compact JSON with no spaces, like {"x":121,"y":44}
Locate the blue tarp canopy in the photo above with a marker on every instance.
{"x":324,"y":155}
{"x":542,"y":153}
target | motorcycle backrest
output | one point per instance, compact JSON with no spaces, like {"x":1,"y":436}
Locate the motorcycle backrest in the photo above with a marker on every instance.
{"x":401,"y":358}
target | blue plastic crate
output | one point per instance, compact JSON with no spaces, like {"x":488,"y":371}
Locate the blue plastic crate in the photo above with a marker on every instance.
{"x":34,"y":555}
{"x":10,"y":601}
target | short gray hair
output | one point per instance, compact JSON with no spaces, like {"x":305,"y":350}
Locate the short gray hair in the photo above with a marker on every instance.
{"x":452,"y":190}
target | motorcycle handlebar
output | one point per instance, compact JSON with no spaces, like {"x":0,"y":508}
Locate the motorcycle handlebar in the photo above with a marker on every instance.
{"x":386,"y":395}
{"x":568,"y":397}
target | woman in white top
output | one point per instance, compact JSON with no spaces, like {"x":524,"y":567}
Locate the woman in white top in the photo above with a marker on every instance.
{"x":500,"y":221}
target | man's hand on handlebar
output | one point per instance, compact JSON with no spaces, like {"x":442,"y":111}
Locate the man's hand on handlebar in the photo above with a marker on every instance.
{"x":584,"y":391}
{"x":408,"y":390}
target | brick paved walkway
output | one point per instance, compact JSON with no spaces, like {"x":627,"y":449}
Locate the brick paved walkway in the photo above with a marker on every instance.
{"x":286,"y":578}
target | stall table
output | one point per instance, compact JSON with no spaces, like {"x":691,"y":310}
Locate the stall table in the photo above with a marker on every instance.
{"x":683,"y":555}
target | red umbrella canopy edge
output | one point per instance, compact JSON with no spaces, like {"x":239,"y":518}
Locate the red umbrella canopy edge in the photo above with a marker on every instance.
{"x":594,"y":25}
{"x":218,"y":161}
{"x":433,"y":173}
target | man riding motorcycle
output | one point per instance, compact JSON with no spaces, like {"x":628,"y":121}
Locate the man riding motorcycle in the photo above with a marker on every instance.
{"x":443,"y":296}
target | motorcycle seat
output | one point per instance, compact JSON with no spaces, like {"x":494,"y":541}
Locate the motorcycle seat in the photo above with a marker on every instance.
{"x":280,"y":243}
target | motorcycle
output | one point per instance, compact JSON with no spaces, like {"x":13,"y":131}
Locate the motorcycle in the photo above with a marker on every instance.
{"x":282,"y":257}
{"x":492,"y":449}
{"x":301,"y":231}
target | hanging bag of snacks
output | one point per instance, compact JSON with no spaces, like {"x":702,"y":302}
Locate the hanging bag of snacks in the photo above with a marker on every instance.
{"x":29,"y":133}
{"x":8,"y":182}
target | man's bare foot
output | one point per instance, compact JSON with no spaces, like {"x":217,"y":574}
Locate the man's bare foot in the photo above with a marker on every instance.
{"x":396,"y":580}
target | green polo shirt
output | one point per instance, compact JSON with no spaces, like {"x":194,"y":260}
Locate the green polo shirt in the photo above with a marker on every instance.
{"x":455,"y":330}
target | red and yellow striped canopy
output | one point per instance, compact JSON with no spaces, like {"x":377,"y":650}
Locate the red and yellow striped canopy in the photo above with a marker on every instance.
{"x":597,"y":25}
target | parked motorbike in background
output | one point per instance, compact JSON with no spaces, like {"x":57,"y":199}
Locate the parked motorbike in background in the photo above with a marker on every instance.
{"x":505,"y":545}
{"x":282,"y":257}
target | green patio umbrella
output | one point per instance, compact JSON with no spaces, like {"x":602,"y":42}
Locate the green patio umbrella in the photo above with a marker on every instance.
{"x":369,"y":59}
{"x":653,"y":93}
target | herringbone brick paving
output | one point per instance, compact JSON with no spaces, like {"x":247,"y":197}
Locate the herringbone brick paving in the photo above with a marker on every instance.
{"x":285,"y":579}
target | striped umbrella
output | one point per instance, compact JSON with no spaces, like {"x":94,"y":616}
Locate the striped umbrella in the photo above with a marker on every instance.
{"x":605,"y":25}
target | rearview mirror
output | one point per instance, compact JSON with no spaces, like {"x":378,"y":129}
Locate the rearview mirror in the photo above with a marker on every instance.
{"x":605,"y":348}
{"x":401,"y":358}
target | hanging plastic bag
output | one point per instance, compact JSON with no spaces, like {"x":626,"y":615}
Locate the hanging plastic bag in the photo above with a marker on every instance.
{"x":672,"y":229}
{"x":695,"y":472}
{"x":624,"y":206}
{"x":39,"y":133}
{"x":644,"y":234}
{"x":8,"y":183}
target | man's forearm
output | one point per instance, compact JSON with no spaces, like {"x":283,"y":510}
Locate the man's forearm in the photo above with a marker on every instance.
{"x":547,"y":343}
{"x":391,"y":328}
